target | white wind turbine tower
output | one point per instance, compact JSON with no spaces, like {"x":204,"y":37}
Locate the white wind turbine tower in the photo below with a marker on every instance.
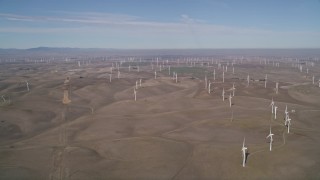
{"x":286,"y":119}
{"x":135,"y":94}
{"x":155,"y":74}
{"x":230,"y":100}
{"x":176,"y":77}
{"x":272,"y":105}
{"x":286,"y":110}
{"x":233,"y":89}
{"x":27,"y":85}
{"x":223,"y":76}
{"x":275,"y":112}
{"x":136,"y":84}
{"x":223,"y":94}
{"x":289,"y":124}
{"x":271,"y":139}
{"x":4,"y":99}
{"x":244,"y":149}
{"x":265,"y":81}
{"x":79,"y":64}
{"x":277,"y":87}
{"x":313,"y":79}
{"x":205,"y":82}
{"x":140,"y":82}
{"x":214,"y":74}
{"x":248,"y":80}
{"x":110,"y":75}
{"x":209,"y":89}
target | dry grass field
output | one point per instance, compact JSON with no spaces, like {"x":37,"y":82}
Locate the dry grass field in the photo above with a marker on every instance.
{"x":173,"y":130}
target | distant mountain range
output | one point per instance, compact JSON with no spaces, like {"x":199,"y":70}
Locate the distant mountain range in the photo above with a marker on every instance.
{"x":57,"y":49}
{"x":53,"y":51}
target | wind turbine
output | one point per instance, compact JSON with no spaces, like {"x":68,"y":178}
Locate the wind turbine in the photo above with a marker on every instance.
{"x":209,"y":89}
{"x":27,"y":85}
{"x":230,"y":100}
{"x":233,"y":89}
{"x":275,"y":112}
{"x":223,"y":94}
{"x":223,"y":76}
{"x":110,"y":77}
{"x":140,"y":82}
{"x":289,"y":124}
{"x":265,"y":81}
{"x":313,"y":79}
{"x":271,"y":139}
{"x":286,"y":119}
{"x":214,"y":74}
{"x":277,"y":87}
{"x":244,"y":153}
{"x":272,"y":105}
{"x":286,"y":110}
{"x":205,"y":82}
{"x":136,"y":84}
{"x":135,"y":94}
{"x":248,"y":80}
{"x":176,"y":77}
{"x":155,"y":74}
{"x":4,"y":99}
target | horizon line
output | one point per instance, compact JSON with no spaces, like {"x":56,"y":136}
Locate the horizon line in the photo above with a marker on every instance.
{"x":110,"y":48}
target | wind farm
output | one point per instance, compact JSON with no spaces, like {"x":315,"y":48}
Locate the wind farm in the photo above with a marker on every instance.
{"x":62,"y":120}
{"x":159,"y":90}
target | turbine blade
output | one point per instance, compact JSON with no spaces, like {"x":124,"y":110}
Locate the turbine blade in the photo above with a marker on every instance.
{"x":244,"y":140}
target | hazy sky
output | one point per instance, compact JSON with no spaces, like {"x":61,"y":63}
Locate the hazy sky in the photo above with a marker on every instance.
{"x":160,"y":23}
